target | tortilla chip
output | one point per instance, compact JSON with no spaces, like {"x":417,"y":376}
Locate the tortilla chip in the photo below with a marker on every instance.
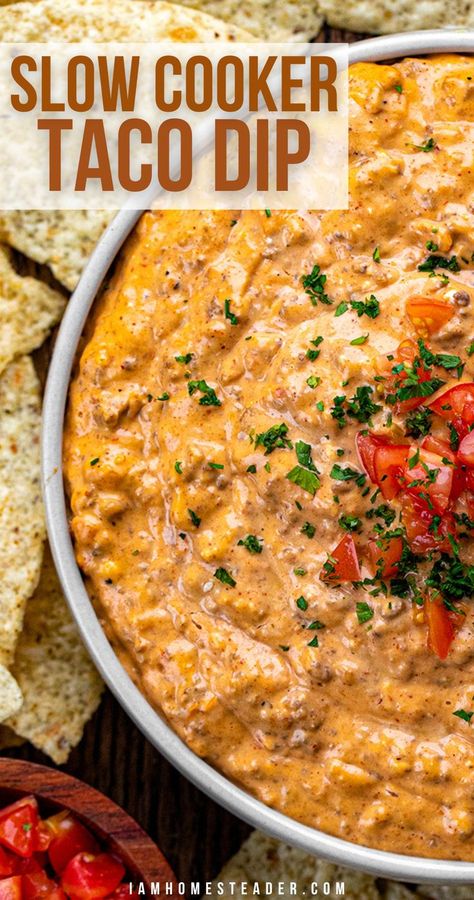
{"x":61,"y":239}
{"x":394,"y":891}
{"x":60,"y":686}
{"x":28,"y":309}
{"x":438,"y":892}
{"x":385,"y":16}
{"x":267,"y":20}
{"x":10,"y":694}
{"x":64,"y":240}
{"x":21,"y":510}
{"x":262,"y":859}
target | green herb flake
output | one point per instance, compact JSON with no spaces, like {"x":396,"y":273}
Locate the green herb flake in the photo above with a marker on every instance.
{"x":398,"y":88}
{"x":350,"y":523}
{"x":429,"y":145}
{"x":314,"y":641}
{"x":314,"y":284}
{"x":225,"y":577}
{"x":252,"y":543}
{"x":464,"y":715}
{"x":313,"y":381}
{"x":165,"y":396}
{"x":305,"y":479}
{"x":376,"y":255}
{"x":233,"y":319}
{"x":184,"y":358}
{"x":434,"y":261}
{"x":194,"y":518}
{"x":364,"y":612}
{"x":370,"y":307}
{"x":302,"y":603}
{"x":273,"y":439}
{"x":268,"y":213}
{"x":214,"y":465}
{"x":94,"y":461}
{"x":359,"y":340}
{"x":252,"y":469}
{"x":308,"y":529}
{"x":209,"y":397}
{"x":178,"y":467}
{"x":341,"y":308}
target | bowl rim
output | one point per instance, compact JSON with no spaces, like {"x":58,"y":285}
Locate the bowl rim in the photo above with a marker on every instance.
{"x":111,"y":824}
{"x":233,"y":798}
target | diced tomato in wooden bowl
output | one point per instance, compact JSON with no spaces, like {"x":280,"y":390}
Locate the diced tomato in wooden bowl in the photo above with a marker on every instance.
{"x":62,"y":840}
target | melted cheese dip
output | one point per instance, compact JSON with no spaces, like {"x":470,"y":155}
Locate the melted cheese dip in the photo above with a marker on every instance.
{"x":203,"y":558}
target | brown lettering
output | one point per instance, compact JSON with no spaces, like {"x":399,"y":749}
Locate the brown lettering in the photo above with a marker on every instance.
{"x":125,"y":155}
{"x":164,"y":152}
{"x":94,"y":138}
{"x":55,"y":128}
{"x":221,"y":181}
{"x":163,"y":104}
{"x":285,"y":157}
{"x":29,"y":104}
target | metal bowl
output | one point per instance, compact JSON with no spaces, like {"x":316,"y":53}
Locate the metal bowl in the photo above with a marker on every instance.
{"x":208,"y":779}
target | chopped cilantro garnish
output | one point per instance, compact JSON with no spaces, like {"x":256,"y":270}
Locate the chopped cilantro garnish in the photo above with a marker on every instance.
{"x":418,"y":422}
{"x":320,"y":406}
{"x":431,"y":246}
{"x":268,"y":213}
{"x":434,"y":261}
{"x":370,"y":307}
{"x":360,"y":406}
{"x":251,"y":543}
{"x":350,"y":523}
{"x":299,"y":571}
{"x":339,"y":473}
{"x":194,"y":518}
{"x":470,"y":349}
{"x":464,"y":715}
{"x":451,"y":577}
{"x":224,"y":576}
{"x":305,"y":479}
{"x":233,"y":319}
{"x":341,"y":308}
{"x":166,"y":396}
{"x":273,"y":439}
{"x":359,"y":340}
{"x":314,"y":286}
{"x":364,"y":612}
{"x":430,"y":144}
{"x":94,"y":461}
{"x":303,"y":455}
{"x":209,"y":397}
{"x":308,"y":529}
{"x":252,"y":469}
{"x":316,"y":625}
{"x":376,"y":255}
{"x":302,"y":603}
{"x":213,"y":465}
{"x":314,"y":641}
{"x":178,"y":467}
{"x":313,"y":381}
{"x":184,"y":358}
{"x":398,"y":88}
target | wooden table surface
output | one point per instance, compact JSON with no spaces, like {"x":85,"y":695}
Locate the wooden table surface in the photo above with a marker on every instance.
{"x":195,"y":834}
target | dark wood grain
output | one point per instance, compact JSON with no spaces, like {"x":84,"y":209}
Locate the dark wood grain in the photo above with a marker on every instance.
{"x":195,"y":835}
{"x":56,"y":790}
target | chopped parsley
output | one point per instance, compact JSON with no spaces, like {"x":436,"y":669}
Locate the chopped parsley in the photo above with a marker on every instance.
{"x":370,"y":307}
{"x":94,"y":461}
{"x":252,"y":469}
{"x":470,"y":349}
{"x":314,"y":284}
{"x":431,"y":246}
{"x":359,"y":340}
{"x":302,"y":603}
{"x":398,"y":88}
{"x":213,"y":465}
{"x":233,"y":319}
{"x":350,"y":523}
{"x":364,"y":612}
{"x":376,"y":255}
{"x":340,"y":473}
{"x":433,"y":261}
{"x":464,"y":715}
{"x":305,"y":479}
{"x":178,"y":467}
{"x":194,"y":518}
{"x":303,"y":455}
{"x":313,"y":381}
{"x":429,"y":145}
{"x":273,"y":439}
{"x":184,"y":358}
{"x":308,"y":529}
{"x":314,"y":641}
{"x":341,"y":308}
{"x":268,"y":213}
{"x":251,"y":543}
{"x":164,"y":396}
{"x":225,"y":577}
{"x":209,"y":397}
{"x":418,"y":422}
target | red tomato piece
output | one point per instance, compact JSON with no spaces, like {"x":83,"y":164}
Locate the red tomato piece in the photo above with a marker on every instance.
{"x":7,"y":863}
{"x":418,"y":520}
{"x":466,"y":450}
{"x":88,"y":877}
{"x":389,"y":465}
{"x":366,"y":445}
{"x":387,"y":556}
{"x":11,"y":888}
{"x":343,"y":562}
{"x":37,"y":884}
{"x":441,"y":629}
{"x":437,"y":445}
{"x":429,"y":478}
{"x":452,"y":402}
{"x":406,"y":353}
{"x":18,"y":826}
{"x":68,"y":838}
{"x":428,"y":314}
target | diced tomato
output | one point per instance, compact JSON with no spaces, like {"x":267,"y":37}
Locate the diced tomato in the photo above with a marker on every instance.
{"x":428,"y":314}
{"x":389,"y":465}
{"x":18,"y":826}
{"x":430,"y":479}
{"x":68,"y":838}
{"x":466,"y":450}
{"x":406,"y":353}
{"x":7,"y":863}
{"x":437,"y":445}
{"x":11,"y":888}
{"x":88,"y":877}
{"x":386,"y":556}
{"x":452,"y":402}
{"x":37,"y":884}
{"x":366,"y":445}
{"x":418,"y":520}
{"x":343,"y":562}
{"x":441,"y":627}
{"x":32,"y":864}
{"x":43,"y":837}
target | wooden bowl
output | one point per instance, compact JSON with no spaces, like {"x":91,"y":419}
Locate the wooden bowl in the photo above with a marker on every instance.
{"x":114,"y":828}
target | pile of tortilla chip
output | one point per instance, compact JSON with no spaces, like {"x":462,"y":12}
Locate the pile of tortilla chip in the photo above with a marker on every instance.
{"x":293,"y":873}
